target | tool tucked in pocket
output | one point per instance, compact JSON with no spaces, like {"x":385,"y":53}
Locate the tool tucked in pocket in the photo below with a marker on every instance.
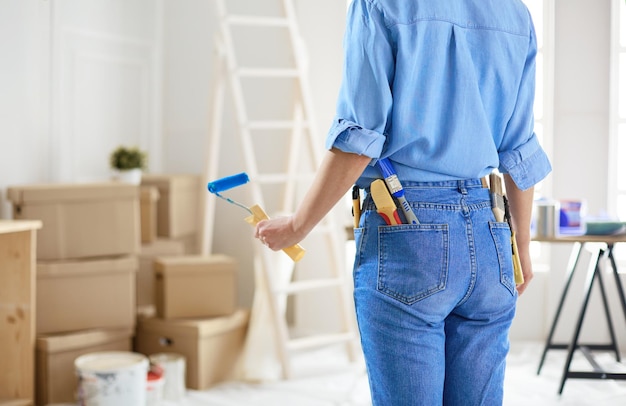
{"x":385,"y":205}
{"x":500,"y":208}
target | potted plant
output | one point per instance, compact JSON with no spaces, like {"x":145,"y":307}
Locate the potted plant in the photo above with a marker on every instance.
{"x":128,"y":164}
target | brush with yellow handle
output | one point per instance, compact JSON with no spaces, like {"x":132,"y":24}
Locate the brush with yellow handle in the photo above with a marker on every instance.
{"x":295,"y":252}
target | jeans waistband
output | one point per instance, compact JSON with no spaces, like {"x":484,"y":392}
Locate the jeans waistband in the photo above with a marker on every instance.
{"x":444,"y":184}
{"x":462,"y":186}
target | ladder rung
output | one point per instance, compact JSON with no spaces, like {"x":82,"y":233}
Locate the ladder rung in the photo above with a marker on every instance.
{"x":301,"y":286}
{"x":267,"y":73}
{"x":296,"y":344}
{"x":256,"y":21}
{"x":274,"y":125}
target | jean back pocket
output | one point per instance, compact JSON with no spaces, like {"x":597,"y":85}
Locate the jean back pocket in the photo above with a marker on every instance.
{"x":413,"y":261}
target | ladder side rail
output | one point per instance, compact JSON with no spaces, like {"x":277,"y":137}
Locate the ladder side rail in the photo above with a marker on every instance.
{"x":263,"y":261}
{"x":289,"y":199}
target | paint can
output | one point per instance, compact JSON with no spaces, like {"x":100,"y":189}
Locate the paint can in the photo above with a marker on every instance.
{"x":546,"y":218}
{"x":111,"y":378}
{"x":173,"y":366}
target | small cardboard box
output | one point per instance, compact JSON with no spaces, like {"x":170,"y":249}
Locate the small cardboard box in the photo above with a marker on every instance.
{"x":212,"y":347}
{"x":80,"y":220}
{"x":84,"y":294}
{"x":195,"y":286}
{"x":178,"y":203}
{"x":148,"y":198}
{"x":55,"y":378}
{"x":146,"y":295}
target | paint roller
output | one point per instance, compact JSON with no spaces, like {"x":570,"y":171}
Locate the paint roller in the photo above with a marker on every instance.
{"x":295,"y":252}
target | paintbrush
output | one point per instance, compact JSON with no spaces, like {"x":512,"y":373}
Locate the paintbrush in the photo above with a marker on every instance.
{"x":497,"y":196}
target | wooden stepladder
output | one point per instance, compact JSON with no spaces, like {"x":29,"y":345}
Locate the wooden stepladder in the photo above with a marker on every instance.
{"x":282,"y":149}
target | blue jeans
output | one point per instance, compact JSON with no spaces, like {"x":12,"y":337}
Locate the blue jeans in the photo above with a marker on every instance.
{"x":435,"y":301}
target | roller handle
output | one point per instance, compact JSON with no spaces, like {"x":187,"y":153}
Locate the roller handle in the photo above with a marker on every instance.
{"x":295,"y":252}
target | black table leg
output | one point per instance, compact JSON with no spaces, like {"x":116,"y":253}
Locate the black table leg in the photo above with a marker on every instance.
{"x":591,"y":275}
{"x":571,"y":267}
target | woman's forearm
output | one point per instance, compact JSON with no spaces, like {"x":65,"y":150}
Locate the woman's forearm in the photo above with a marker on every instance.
{"x":337,"y":173}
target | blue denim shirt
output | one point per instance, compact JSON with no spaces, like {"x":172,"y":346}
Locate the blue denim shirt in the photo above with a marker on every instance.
{"x":444,"y":88}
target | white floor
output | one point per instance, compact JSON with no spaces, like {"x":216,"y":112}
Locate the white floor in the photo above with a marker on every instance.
{"x":348,"y":386}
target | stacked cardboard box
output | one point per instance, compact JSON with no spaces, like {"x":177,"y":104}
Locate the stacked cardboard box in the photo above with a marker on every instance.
{"x":169,"y":221}
{"x":146,"y":290}
{"x":86,"y":275}
{"x":196,"y":316}
{"x":178,"y":207}
{"x":148,"y":199}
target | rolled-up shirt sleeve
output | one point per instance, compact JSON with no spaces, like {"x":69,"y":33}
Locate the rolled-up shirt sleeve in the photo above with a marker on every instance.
{"x":351,"y":137}
{"x":365,"y":99}
{"x":527,"y":165}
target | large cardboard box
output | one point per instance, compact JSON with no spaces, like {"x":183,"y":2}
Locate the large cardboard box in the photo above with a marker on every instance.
{"x":148,"y":198}
{"x":55,"y":378}
{"x":80,"y":220}
{"x":146,"y":290}
{"x":84,"y":294}
{"x":212,"y":347}
{"x":178,"y":203}
{"x":195,"y":286}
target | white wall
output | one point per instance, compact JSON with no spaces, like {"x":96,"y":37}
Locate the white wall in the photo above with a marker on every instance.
{"x":24,"y":143}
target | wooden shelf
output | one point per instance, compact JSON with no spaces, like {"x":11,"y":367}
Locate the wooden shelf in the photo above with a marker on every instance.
{"x":18,"y":243}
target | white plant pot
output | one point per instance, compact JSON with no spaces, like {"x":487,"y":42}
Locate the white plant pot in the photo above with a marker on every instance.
{"x":132,"y":176}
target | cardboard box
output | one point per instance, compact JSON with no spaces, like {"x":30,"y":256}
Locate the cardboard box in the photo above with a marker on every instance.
{"x":195,"y":286}
{"x":80,"y":220}
{"x":146,"y":295}
{"x":55,"y":378}
{"x":212,"y":347}
{"x":178,"y":203}
{"x":190,"y":242}
{"x":148,"y":198}
{"x":84,"y":294}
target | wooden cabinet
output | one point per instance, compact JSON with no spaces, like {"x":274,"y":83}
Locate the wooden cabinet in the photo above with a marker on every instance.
{"x":17,"y":311}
